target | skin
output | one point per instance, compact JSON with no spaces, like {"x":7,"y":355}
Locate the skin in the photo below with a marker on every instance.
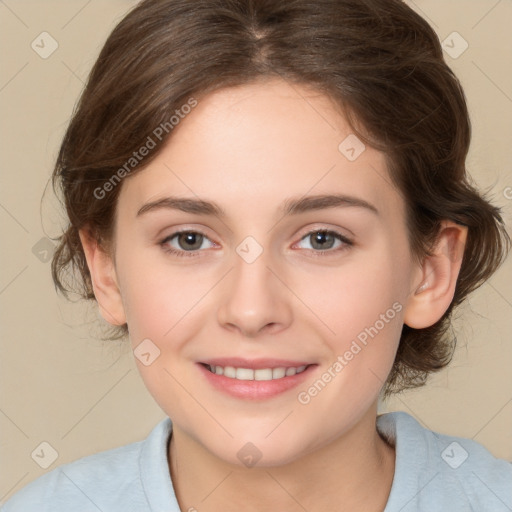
{"x":248,"y":149}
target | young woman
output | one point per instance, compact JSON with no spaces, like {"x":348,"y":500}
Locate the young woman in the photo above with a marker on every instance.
{"x":269,"y":200}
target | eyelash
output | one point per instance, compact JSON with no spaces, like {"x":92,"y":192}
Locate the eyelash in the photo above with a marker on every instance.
{"x":320,"y":253}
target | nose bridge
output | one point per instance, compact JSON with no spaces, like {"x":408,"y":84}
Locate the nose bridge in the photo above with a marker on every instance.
{"x":251,"y":266}
{"x":254,"y":298}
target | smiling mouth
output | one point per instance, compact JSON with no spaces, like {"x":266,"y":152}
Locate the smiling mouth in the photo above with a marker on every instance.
{"x":261,"y":374}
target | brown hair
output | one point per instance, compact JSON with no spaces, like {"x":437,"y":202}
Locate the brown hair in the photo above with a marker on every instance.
{"x":378,"y":60}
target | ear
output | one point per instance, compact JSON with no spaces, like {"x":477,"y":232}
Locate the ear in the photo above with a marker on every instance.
{"x":436,"y":278}
{"x":104,"y":279}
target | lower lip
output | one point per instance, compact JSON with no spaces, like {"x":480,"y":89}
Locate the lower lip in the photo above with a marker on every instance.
{"x":254,"y":389}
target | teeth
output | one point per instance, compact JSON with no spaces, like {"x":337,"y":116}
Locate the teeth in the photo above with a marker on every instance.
{"x":278,"y":373}
{"x":263,"y":374}
{"x":244,"y":374}
{"x":260,"y":374}
{"x":229,"y":371}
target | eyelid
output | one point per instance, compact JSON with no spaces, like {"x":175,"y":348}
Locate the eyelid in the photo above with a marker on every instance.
{"x":330,"y":229}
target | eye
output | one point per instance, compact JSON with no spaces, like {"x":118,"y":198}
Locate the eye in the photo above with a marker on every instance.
{"x":323,"y":241}
{"x":188,"y":242}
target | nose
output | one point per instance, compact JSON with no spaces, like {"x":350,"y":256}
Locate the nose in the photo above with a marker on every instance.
{"x":254,"y":299}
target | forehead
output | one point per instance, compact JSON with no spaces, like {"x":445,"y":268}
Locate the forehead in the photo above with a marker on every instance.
{"x":252,"y":146}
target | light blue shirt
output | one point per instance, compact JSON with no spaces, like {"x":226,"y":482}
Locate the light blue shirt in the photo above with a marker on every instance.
{"x":433,"y":473}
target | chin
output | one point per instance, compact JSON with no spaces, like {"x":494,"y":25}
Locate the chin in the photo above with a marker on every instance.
{"x":261,"y":452}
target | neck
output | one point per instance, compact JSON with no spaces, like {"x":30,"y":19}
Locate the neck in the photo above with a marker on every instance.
{"x":351,"y":472}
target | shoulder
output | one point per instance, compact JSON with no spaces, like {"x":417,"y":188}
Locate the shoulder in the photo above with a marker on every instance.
{"x":80,"y":484}
{"x":434,"y":471}
{"x":108,"y":480}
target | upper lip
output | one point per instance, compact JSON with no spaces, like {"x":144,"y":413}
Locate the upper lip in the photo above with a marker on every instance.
{"x":255,"y":364}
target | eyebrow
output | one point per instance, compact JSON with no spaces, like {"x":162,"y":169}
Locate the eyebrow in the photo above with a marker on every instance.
{"x":292,"y":206}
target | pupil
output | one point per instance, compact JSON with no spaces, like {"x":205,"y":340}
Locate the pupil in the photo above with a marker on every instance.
{"x":319,"y":236}
{"x":188,"y":238}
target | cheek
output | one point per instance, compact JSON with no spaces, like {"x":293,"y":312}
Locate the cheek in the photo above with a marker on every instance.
{"x":157,"y":297}
{"x":360,"y":310}
{"x":365,"y":314}
{"x":352,"y":297}
{"x":162,"y":305}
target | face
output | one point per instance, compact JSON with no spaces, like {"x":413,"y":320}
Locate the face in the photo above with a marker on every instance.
{"x":266,"y":279}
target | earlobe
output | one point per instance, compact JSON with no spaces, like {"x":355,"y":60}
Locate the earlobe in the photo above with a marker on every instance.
{"x":432,"y":295}
{"x":104,"y":279}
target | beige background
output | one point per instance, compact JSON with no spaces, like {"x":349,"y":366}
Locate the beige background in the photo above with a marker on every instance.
{"x":61,"y":386}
